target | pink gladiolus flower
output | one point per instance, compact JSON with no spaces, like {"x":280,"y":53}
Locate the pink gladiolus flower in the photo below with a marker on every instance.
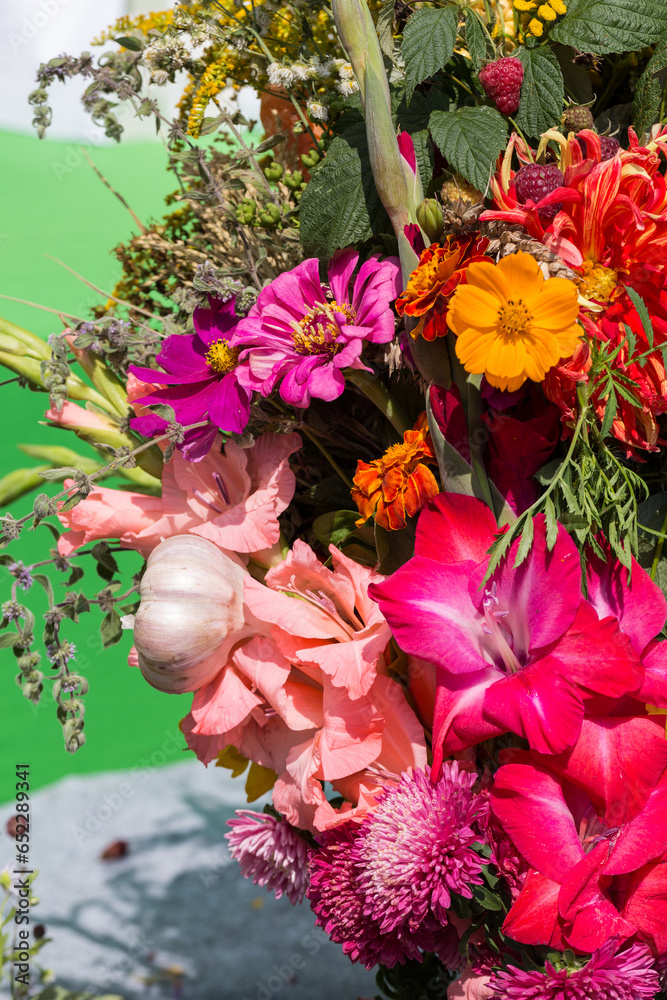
{"x":301,"y":334}
{"x":271,"y":853}
{"x":607,"y":975}
{"x":71,"y":415}
{"x":382,"y":890}
{"x":469,"y":986}
{"x":523,"y":653}
{"x":232,"y":498}
{"x":598,"y":865}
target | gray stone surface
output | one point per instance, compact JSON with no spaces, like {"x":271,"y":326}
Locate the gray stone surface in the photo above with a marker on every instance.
{"x":175,"y":900}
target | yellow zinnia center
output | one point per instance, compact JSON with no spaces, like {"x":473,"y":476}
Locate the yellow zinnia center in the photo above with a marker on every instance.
{"x":513,"y":319}
{"x":318,"y":331}
{"x":221,"y":357}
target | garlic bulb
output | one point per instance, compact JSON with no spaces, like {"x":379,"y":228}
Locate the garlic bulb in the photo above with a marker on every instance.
{"x":191,"y":613}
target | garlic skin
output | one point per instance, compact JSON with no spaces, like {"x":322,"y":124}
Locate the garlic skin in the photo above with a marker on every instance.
{"x":190,"y":615}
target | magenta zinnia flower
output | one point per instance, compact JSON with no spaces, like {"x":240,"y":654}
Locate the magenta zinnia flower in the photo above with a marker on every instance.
{"x":303,"y":333}
{"x":383,"y":889}
{"x":271,"y":853}
{"x":200,"y":380}
{"x":607,"y":975}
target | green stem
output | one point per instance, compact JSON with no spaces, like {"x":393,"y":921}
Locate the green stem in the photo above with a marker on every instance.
{"x":373,"y":389}
{"x":657,"y":555}
{"x":327,"y":454}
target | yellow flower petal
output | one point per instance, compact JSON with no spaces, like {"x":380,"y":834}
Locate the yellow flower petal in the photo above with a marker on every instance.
{"x":557,"y":304}
{"x":490,"y":279}
{"x":507,"y":359}
{"x":472,"y":349}
{"x":468,"y":302}
{"x":523,"y":275}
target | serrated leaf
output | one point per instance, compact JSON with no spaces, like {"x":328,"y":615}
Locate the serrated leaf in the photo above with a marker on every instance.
{"x":551,"y":523}
{"x":487,"y":899}
{"x":340,"y":204}
{"x":475,"y":39}
{"x":542,"y":91}
{"x":643,"y":314}
{"x":609,"y":414}
{"x":646,"y":105}
{"x":384,"y":27}
{"x":471,"y":139}
{"x":413,"y":118}
{"x":428,"y":43}
{"x":497,"y":552}
{"x":603,"y":26}
{"x":526,"y":542}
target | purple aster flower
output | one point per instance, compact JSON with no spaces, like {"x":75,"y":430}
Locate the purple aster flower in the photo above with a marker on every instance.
{"x":383,"y":889}
{"x":301,"y":334}
{"x":270,"y":852}
{"x":607,"y":975}
{"x":200,"y":380}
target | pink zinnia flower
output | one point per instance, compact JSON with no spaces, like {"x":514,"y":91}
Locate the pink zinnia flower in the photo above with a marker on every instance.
{"x":303,"y":333}
{"x":382,"y":890}
{"x":607,"y":975}
{"x":271,"y":853}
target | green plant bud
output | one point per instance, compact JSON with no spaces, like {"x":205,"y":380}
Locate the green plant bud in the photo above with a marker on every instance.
{"x":273,"y":172}
{"x":293,"y":180}
{"x":269,"y":217}
{"x":311,"y":158}
{"x":430,"y":218}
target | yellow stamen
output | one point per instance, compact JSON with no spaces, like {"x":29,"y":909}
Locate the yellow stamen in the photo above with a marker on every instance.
{"x":536,"y":28}
{"x":513,"y":319}
{"x":597,"y":282}
{"x":221,"y":357}
{"x":318,"y":331}
{"x":546,"y":13}
{"x":558,"y":6}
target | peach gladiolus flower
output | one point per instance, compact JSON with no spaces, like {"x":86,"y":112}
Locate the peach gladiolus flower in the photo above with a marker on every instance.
{"x":232,"y":498}
{"x":309,"y":697}
{"x":511,"y":324}
{"x":72,"y":415}
{"x":469,"y":986}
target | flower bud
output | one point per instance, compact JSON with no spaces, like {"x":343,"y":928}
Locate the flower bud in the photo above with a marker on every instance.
{"x":431,"y":219}
{"x":190,"y":615}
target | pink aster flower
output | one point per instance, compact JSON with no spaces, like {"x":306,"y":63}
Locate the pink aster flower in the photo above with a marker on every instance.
{"x":301,"y":334}
{"x":200,"y":381}
{"x":607,"y":975}
{"x":271,"y":853}
{"x":382,"y":890}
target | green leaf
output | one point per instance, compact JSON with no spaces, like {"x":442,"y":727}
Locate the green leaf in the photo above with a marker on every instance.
{"x":384,"y":27}
{"x":602,"y":26}
{"x":542,"y":91}
{"x":609,"y":414}
{"x":44,"y":582}
{"x":111,"y":629}
{"x":334,"y":527}
{"x":8,"y":639}
{"x":428,"y":43}
{"x":488,"y":900}
{"x":340,"y":204}
{"x":475,"y":39}
{"x":128,"y":42}
{"x":471,"y":139}
{"x":642,"y":312}
{"x":646,"y":106}
{"x":552,"y":523}
{"x":526,"y":542}
{"x":106,"y":564}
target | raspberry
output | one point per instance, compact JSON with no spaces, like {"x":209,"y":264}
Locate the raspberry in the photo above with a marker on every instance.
{"x":609,"y":147}
{"x":577,"y":117}
{"x":502,"y":81}
{"x":535,"y":182}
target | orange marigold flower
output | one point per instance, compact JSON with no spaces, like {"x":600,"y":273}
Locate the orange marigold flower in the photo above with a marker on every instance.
{"x":397,"y":485}
{"x":511,"y":324}
{"x":434,"y":279}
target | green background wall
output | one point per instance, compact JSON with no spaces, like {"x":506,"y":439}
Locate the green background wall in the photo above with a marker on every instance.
{"x":53,"y":204}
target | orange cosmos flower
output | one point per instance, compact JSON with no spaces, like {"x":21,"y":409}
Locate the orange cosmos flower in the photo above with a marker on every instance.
{"x":434,"y":279}
{"x":397,"y":485}
{"x":511,"y":324}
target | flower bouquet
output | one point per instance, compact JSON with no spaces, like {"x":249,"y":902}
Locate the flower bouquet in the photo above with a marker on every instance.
{"x":386,"y":393}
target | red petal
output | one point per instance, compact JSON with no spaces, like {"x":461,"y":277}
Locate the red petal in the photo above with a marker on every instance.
{"x":455,"y":528}
{"x":534,"y":917}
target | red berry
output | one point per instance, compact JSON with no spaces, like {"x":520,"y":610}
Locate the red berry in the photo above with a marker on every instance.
{"x":609,"y":147}
{"x":534,"y":182}
{"x":502,"y":81}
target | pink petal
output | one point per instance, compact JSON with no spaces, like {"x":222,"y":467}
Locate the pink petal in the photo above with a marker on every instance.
{"x":455,"y":528}
{"x":643,"y":902}
{"x":598,"y":656}
{"x":639,"y":604}
{"x":351,"y":736}
{"x":534,"y":919}
{"x":529,"y":803}
{"x":223,"y":703}
{"x":645,"y":837}
{"x":588,"y":914}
